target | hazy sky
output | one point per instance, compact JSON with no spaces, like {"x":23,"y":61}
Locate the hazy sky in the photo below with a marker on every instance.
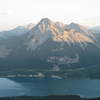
{"x":20,"y":12}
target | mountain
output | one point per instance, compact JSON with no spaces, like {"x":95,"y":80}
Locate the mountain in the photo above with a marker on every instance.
{"x":19,"y":30}
{"x":96,"y":33}
{"x":46,"y":29}
{"x":97,"y":28}
{"x":29,"y":26}
{"x":78,"y":28}
{"x":49,"y":47}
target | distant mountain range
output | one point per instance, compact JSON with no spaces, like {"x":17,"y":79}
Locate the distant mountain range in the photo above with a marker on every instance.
{"x":97,"y":28}
{"x":49,"y":46}
{"x":16,"y":31}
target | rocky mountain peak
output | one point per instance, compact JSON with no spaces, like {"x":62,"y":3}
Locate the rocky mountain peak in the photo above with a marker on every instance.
{"x":45,"y":21}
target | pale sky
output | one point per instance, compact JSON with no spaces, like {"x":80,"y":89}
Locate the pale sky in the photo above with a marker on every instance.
{"x":21,"y":12}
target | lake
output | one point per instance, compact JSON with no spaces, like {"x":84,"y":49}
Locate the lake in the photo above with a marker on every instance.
{"x":48,"y":86}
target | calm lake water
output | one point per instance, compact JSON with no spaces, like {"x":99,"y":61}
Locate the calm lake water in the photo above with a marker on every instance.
{"x":44,"y":87}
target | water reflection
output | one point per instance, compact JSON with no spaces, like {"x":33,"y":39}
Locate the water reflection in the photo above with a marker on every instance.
{"x":39,"y":87}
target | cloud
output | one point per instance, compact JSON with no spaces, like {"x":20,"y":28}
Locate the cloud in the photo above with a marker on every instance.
{"x":5,"y":12}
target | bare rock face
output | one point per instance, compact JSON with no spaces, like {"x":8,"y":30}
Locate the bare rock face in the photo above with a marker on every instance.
{"x":58,"y":32}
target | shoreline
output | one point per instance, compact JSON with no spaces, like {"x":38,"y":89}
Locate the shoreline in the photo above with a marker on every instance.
{"x":52,"y":97}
